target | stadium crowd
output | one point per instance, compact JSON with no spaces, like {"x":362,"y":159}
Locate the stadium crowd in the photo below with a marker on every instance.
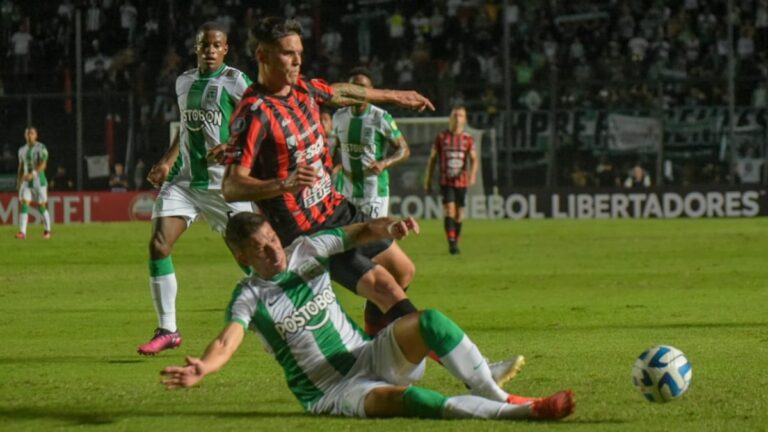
{"x":607,"y":53}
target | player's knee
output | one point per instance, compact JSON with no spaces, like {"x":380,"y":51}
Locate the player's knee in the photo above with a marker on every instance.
{"x":405,"y":274}
{"x":159,"y":247}
{"x":440,"y":334}
{"x":380,"y":287}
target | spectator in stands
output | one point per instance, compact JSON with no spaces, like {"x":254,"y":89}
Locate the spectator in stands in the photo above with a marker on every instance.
{"x":139,"y":175}
{"x":128,"y":20}
{"x":404,"y":69}
{"x":21,"y":50}
{"x":605,"y":173}
{"x":118,"y":181}
{"x":580,"y":177}
{"x":330,"y":43}
{"x":748,"y":167}
{"x":638,"y":177}
{"x":61,"y":180}
{"x":396,"y":23}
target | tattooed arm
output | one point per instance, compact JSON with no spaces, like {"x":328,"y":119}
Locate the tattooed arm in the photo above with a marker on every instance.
{"x":345,"y":94}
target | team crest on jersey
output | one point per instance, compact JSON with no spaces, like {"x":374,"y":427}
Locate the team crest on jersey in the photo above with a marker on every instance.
{"x":210,"y":98}
{"x":310,"y":270}
{"x":237,"y":126}
{"x":368,"y":133}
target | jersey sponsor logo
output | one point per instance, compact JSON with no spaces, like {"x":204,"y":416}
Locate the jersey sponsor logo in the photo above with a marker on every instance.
{"x":308,"y":154}
{"x":293,"y":139}
{"x":310,"y":196}
{"x":195,"y":119}
{"x":353,"y":149}
{"x":299,"y":319}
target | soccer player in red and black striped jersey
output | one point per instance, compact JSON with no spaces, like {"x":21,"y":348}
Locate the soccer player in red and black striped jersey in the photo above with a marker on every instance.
{"x":278,"y":158}
{"x":455,"y":150}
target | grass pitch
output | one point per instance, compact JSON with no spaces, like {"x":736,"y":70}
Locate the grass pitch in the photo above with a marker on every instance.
{"x":581,"y":299}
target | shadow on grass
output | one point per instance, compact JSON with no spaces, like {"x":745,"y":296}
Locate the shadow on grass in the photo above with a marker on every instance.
{"x":68,"y":359}
{"x":109,"y":417}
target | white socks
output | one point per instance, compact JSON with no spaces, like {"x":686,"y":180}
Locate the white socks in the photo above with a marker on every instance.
{"x":467,"y":364}
{"x":465,"y":407}
{"x":163,"y":290}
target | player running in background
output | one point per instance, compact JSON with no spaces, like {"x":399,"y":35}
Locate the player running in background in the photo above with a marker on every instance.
{"x":455,"y":149}
{"x":278,"y":158}
{"x":330,"y":365}
{"x":363,"y":134}
{"x":190,"y":177}
{"x":32,"y":183}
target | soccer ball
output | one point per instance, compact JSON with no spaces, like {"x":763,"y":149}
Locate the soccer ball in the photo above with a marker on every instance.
{"x":662,"y":373}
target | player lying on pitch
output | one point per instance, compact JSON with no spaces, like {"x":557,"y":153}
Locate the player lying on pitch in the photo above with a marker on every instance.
{"x":331,"y":365}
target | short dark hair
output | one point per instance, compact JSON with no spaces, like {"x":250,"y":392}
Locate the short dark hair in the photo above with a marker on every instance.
{"x":360,"y":70}
{"x":272,"y":29}
{"x":211,"y":26}
{"x":240,"y":227}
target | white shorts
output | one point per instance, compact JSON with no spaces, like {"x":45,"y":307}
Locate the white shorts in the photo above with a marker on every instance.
{"x":37,"y":194}
{"x":380,"y":364}
{"x":176,"y":200}
{"x":373,"y":207}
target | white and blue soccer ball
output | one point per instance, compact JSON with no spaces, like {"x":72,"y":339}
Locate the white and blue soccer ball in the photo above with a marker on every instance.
{"x":662,"y":373}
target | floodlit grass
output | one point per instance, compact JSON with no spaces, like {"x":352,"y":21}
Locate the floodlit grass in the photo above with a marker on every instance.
{"x":581,"y":299}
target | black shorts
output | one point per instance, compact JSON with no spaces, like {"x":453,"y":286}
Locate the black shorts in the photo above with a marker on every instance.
{"x":349,"y":266}
{"x":456,"y":195}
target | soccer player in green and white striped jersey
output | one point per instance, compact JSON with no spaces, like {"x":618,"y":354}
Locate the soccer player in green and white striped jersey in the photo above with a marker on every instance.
{"x":331,"y":366}
{"x":189,"y":174}
{"x":32,"y":183}
{"x":363,"y":134}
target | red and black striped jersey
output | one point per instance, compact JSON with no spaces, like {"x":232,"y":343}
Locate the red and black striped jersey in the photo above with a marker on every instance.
{"x":453,"y":154}
{"x":271,"y":135}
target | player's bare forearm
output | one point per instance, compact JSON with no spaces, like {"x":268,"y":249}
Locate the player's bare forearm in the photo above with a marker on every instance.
{"x":238,"y":185}
{"x":473,"y":168}
{"x":221,"y":349}
{"x":171,"y":154}
{"x":380,"y":229}
{"x":430,"y":170}
{"x":345,"y":94}
{"x":216,"y":355}
{"x":401,"y":154}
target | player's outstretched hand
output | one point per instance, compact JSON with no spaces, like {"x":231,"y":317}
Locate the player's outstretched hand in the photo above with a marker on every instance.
{"x":175,"y":377}
{"x":157,"y":174}
{"x":400,"y":229}
{"x":413,"y":100}
{"x":217,"y":153}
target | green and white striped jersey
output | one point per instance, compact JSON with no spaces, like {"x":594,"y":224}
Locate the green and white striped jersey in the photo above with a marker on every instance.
{"x":206,"y":103}
{"x":299,"y":320}
{"x":30,"y":157}
{"x":361,"y":140}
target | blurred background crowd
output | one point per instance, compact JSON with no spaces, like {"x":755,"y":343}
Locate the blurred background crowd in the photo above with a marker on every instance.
{"x":564,"y":55}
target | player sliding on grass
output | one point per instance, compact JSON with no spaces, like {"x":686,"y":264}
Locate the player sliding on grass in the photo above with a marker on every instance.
{"x":330,"y":365}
